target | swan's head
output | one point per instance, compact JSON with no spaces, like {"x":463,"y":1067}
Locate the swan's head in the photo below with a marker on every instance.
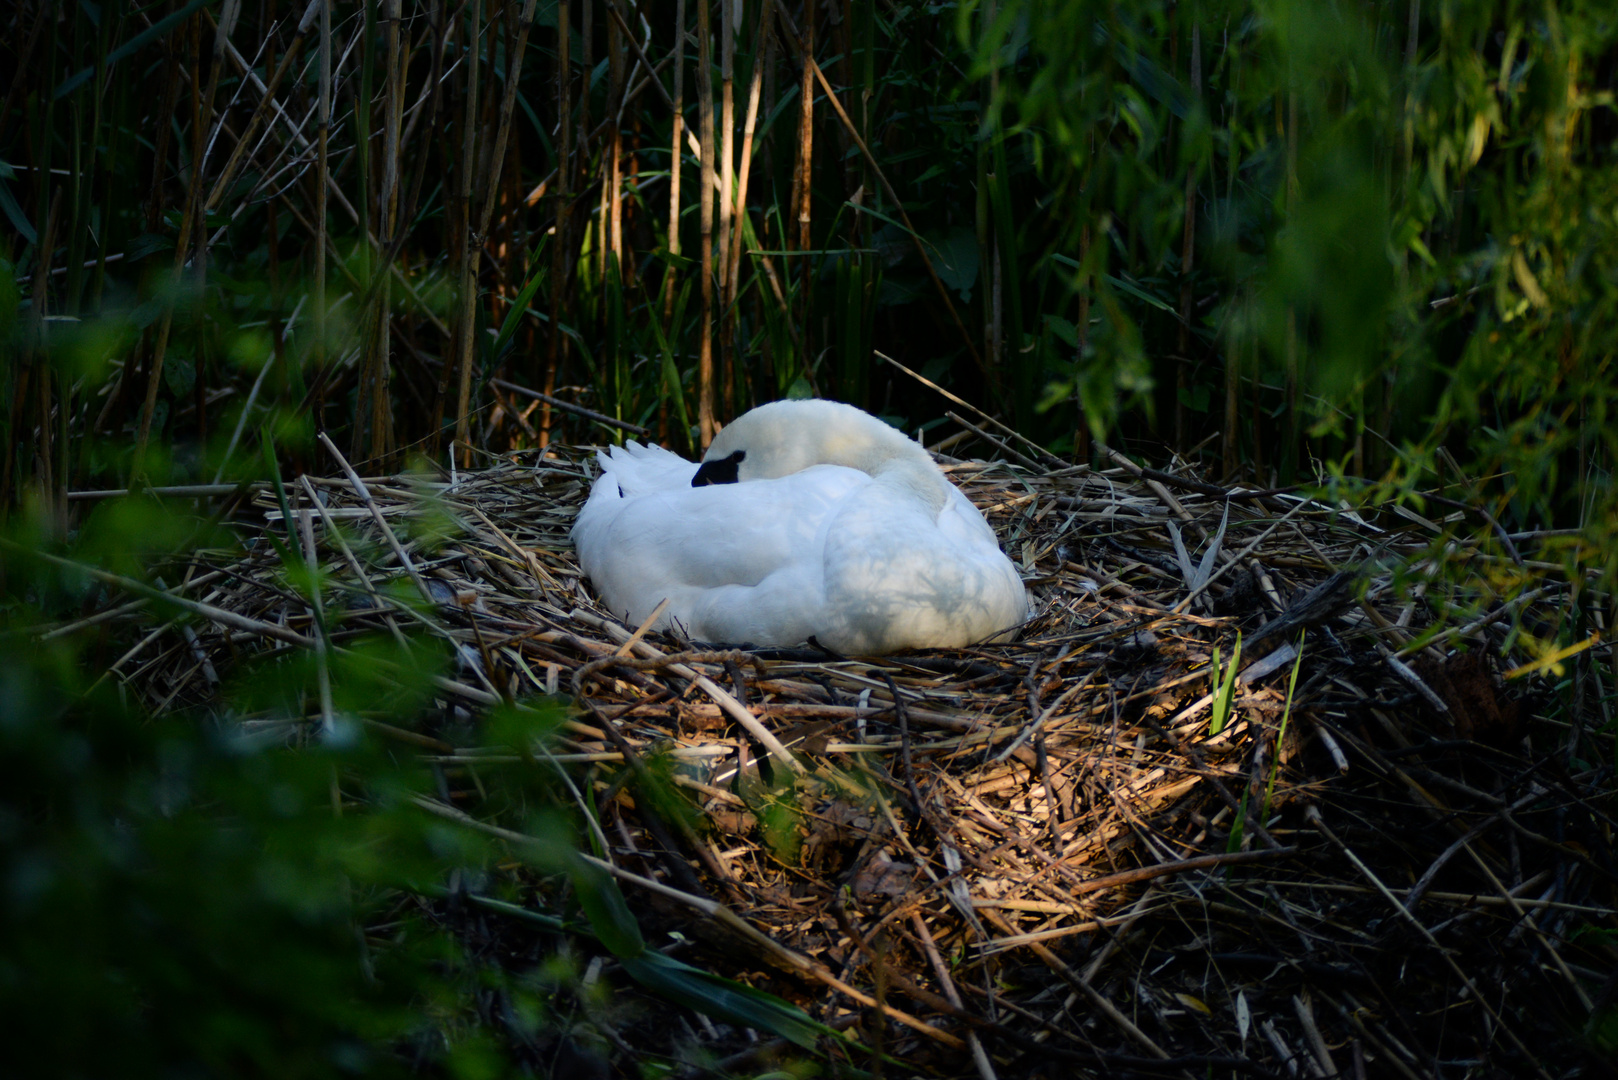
{"x":786,"y":437}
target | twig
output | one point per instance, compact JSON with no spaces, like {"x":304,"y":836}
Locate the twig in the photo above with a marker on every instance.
{"x":376,"y":515}
{"x":568,"y":406}
{"x":1312,"y":813}
{"x":919,"y":377}
{"x":196,"y":607}
{"x":1022,"y":459}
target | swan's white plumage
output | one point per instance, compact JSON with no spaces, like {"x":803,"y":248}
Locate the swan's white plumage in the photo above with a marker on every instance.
{"x":839,"y":528}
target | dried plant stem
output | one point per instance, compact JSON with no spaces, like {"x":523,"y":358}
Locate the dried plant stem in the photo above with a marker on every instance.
{"x":676,"y":157}
{"x":196,"y":206}
{"x":705,"y":137}
{"x":800,"y":203}
{"x":1312,"y":813}
{"x":555,"y":345}
{"x":755,"y":87}
{"x":1293,"y":422}
{"x":207,"y":611}
{"x":466,"y":332}
{"x":612,"y":225}
{"x":478,"y":228}
{"x":322,"y":184}
{"x":728,"y":10}
{"x":245,"y":142}
{"x":386,"y":217}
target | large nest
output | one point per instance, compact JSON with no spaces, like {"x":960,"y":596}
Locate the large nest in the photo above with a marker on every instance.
{"x":1393,"y":857}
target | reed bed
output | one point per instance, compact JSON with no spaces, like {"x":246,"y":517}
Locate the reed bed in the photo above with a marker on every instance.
{"x":1384,"y":849}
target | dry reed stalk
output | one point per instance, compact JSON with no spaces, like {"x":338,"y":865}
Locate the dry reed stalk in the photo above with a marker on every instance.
{"x":197,"y":205}
{"x":381,"y":420}
{"x":1293,"y":422}
{"x":587,"y":64}
{"x":322,"y":184}
{"x":729,"y":18}
{"x":616,"y":50}
{"x":1188,"y":239}
{"x":676,"y":170}
{"x":705,"y":120}
{"x":732,"y":282}
{"x":24,"y":62}
{"x":802,"y":179}
{"x":466,"y":294}
{"x":555,"y":344}
{"x":497,"y":154}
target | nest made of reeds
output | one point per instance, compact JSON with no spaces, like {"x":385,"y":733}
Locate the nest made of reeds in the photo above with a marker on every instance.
{"x":1369,"y":854}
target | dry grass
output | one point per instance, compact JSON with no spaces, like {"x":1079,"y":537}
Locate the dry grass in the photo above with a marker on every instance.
{"x":1036,"y":850}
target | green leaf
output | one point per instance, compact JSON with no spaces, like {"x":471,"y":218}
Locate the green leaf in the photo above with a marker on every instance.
{"x":604,"y":905}
{"x":726,"y":999}
{"x":1125,"y":285}
{"x":514,"y":316}
{"x":152,"y":33}
{"x":1222,"y":695}
{"x":1064,"y":330}
{"x":19,"y":220}
{"x":1195,"y":398}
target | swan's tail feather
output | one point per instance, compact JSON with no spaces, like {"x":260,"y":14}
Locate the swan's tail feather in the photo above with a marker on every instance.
{"x":638,"y":469}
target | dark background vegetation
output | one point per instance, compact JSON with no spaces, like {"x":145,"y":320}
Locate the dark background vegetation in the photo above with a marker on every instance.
{"x":1293,"y":241}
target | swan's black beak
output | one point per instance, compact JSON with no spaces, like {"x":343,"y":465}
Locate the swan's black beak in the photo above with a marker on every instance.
{"x":722,"y":471}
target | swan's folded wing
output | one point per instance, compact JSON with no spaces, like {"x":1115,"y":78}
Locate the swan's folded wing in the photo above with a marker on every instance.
{"x":680,"y":543}
{"x":900,"y":575}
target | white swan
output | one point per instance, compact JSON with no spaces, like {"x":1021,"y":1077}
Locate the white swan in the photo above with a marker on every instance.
{"x":805,"y":519}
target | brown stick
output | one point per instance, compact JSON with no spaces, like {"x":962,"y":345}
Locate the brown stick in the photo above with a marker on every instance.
{"x":705,"y":387}
{"x":801,"y":204}
{"x":675,"y":158}
{"x":1188,"y":245}
{"x":568,"y":406}
{"x":322,"y":180}
{"x":755,"y":88}
{"x":376,"y":513}
{"x":464,"y":340}
{"x":556,"y":346}
{"x":196,"y":206}
{"x":1082,"y":985}
{"x":245,"y":143}
{"x":387,"y":210}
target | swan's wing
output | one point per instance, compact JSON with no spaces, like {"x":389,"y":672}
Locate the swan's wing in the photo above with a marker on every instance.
{"x":706,"y":549}
{"x":901,"y":575}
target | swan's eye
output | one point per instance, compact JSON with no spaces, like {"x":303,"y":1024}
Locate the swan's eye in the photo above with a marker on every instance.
{"x":722,"y":471}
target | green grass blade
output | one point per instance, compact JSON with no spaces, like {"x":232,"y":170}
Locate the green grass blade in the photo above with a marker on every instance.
{"x":604,"y":905}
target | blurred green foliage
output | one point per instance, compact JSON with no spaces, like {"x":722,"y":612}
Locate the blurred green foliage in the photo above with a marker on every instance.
{"x":188,"y":894}
{"x":180,"y":901}
{"x":1407,"y":215}
{"x":236,"y":889}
